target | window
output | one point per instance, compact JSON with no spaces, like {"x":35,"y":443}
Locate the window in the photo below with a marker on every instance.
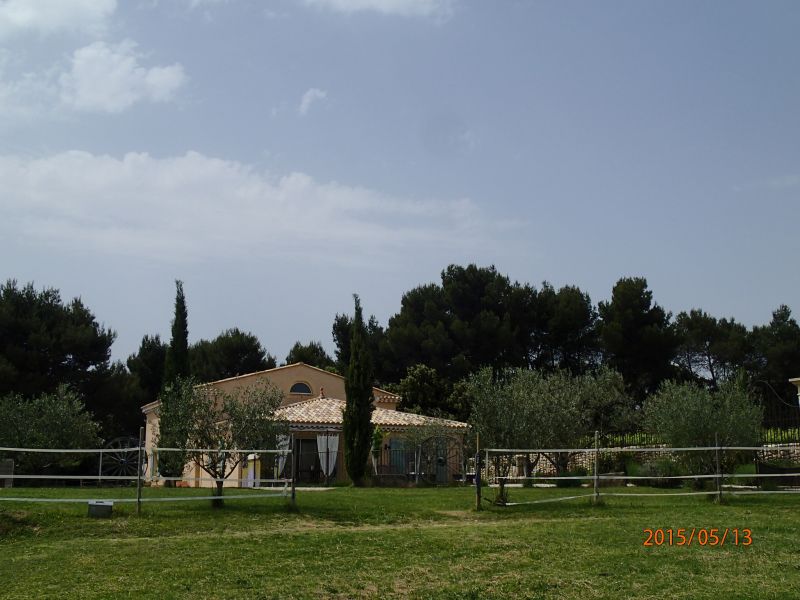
{"x":300,"y":388}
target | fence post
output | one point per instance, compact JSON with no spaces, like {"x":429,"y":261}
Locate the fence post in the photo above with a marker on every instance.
{"x":596,"y":467}
{"x":100,"y":470}
{"x":478,"y":473}
{"x":294,"y":473}
{"x":719,"y":471}
{"x":139,"y":472}
{"x":417,"y":460}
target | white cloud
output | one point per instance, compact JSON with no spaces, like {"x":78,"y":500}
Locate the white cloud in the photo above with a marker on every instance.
{"x":51,"y":16}
{"x":271,"y":14}
{"x":197,"y":207}
{"x":108,"y":78}
{"x":439,"y":9}
{"x":312,"y":95}
{"x":203,"y":3}
{"x":100,"y":77}
{"x":26,"y":95}
{"x":467,"y":139}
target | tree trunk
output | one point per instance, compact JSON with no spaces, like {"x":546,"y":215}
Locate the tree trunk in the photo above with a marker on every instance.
{"x":562,"y":461}
{"x":218,"y":502}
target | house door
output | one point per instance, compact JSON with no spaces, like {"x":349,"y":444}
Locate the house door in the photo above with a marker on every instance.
{"x":441,"y":461}
{"x":397,"y":457}
{"x":308,"y":467}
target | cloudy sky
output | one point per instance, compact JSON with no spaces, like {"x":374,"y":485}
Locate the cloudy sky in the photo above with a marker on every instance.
{"x":278,"y":156}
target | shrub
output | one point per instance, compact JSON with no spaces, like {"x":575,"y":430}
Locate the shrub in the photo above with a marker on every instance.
{"x":687,"y":415}
{"x":568,"y":483}
{"x":611,"y":462}
{"x":659,"y":469}
{"x":57,"y":420}
{"x":746,"y":469}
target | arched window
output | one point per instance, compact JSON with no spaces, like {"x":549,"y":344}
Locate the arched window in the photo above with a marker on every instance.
{"x":300,"y":388}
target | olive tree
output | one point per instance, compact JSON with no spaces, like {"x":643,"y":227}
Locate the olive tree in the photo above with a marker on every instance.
{"x":225,"y":425}
{"x":523,"y":408}
{"x":688,"y":415}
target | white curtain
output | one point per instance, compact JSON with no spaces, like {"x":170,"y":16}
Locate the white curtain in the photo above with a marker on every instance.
{"x":250,"y":475}
{"x":327,"y":447}
{"x":283,"y":444}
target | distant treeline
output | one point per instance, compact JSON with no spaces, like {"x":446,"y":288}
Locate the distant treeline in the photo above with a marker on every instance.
{"x":475,"y":317}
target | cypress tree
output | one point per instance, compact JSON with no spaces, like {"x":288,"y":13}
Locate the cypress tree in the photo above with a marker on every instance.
{"x":177,"y":361}
{"x":356,"y":423}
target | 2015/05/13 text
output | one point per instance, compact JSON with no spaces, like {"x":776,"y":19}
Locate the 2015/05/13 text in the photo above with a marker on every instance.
{"x":699,"y":536}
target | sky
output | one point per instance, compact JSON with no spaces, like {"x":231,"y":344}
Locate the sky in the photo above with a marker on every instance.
{"x":279,"y":156}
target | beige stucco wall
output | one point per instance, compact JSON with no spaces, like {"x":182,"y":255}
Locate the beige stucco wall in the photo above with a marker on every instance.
{"x":286,"y":377}
{"x":150,"y":435}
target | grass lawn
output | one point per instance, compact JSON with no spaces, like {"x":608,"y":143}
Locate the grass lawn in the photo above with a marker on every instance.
{"x":425,"y":543}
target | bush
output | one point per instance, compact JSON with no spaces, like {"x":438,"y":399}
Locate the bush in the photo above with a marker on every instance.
{"x":658,"y":469}
{"x":568,"y":483}
{"x":687,"y":415}
{"x":57,"y":420}
{"x":611,"y":462}
{"x":746,"y":469}
{"x":778,"y":467}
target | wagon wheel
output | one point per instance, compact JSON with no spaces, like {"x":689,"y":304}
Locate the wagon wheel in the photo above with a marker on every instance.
{"x":122,"y":462}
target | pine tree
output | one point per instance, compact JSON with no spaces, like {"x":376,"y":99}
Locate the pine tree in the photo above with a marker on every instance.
{"x":637,"y":336}
{"x":357,"y":424}
{"x":177,"y":361}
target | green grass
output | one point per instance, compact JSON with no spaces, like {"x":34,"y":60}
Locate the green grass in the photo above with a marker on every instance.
{"x":425,"y":543}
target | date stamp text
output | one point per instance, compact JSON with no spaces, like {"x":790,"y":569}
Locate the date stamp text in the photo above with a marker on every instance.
{"x":698,"y":536}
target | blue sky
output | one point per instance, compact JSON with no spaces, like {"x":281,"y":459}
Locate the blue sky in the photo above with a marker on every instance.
{"x":279,"y":156}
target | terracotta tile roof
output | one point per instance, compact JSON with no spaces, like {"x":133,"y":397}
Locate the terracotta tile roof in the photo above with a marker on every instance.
{"x":387,"y":397}
{"x":328,"y":411}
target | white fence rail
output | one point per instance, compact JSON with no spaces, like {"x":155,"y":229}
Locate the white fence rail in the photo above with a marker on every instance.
{"x":143,"y":474}
{"x":506,"y":466}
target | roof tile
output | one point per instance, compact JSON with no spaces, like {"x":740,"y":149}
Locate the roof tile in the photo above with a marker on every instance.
{"x":328,"y":411}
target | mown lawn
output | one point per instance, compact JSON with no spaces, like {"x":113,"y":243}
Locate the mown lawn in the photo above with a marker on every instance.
{"x":424,"y":543}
